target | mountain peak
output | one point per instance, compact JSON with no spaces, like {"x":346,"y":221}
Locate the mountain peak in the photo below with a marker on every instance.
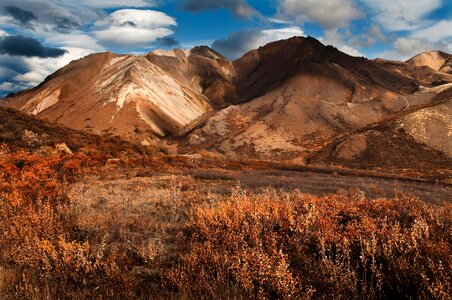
{"x":207,"y":52}
{"x":433,"y":59}
{"x":204,"y":51}
{"x":176,"y":52}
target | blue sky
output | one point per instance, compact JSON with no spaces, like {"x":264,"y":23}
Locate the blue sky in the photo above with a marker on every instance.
{"x":39,"y":36}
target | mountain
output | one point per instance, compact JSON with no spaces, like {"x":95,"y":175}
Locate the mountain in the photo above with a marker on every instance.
{"x":435,"y":60}
{"x":293,"y":99}
{"x":298,"y":96}
{"x":430,"y":68}
{"x":134,"y":96}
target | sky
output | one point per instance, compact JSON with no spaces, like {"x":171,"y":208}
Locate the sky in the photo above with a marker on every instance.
{"x":37,"y":37}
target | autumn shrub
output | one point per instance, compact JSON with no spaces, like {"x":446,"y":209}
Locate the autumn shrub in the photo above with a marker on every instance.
{"x":36,"y":224}
{"x":290,"y":245}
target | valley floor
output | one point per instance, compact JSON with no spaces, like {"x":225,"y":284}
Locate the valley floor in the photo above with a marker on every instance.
{"x":87,"y":226}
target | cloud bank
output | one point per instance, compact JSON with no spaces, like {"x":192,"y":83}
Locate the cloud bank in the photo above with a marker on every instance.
{"x":127,"y":28}
{"x":238,"y":43}
{"x":25,"y":46}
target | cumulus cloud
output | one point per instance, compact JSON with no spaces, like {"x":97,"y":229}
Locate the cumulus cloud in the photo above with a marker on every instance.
{"x":21,"y":15}
{"x":133,"y":28}
{"x":25,"y":46}
{"x":33,"y":70}
{"x":396,"y":15}
{"x":329,"y":13}
{"x":6,"y":87}
{"x":238,"y":43}
{"x":74,"y":40}
{"x":240,"y":8}
{"x":376,"y":33}
{"x":31,"y":77}
{"x":42,"y":15}
{"x":6,"y":73}
{"x":406,"y":47}
{"x":437,"y":32}
{"x":61,"y":15}
{"x":332,"y":37}
{"x":367,"y":39}
{"x":168,"y":42}
{"x":14,"y":63}
{"x":111,"y":3}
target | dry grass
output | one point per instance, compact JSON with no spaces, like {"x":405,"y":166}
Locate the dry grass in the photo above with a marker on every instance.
{"x":176,"y":237}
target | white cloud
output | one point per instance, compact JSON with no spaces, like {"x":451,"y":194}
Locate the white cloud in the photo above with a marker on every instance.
{"x":46,"y":15}
{"x":436,"y":32}
{"x":395,"y":15}
{"x":278,"y":21}
{"x":332,"y":37}
{"x":6,"y":73}
{"x":131,"y":37}
{"x":271,"y":35}
{"x":31,"y":78}
{"x":329,"y":13}
{"x":375,"y":32}
{"x":434,"y":37}
{"x":405,"y":48}
{"x":238,"y":43}
{"x":133,"y":28}
{"x":110,"y":3}
{"x":10,"y":86}
{"x":74,"y":40}
{"x":40,"y":68}
{"x":240,"y":8}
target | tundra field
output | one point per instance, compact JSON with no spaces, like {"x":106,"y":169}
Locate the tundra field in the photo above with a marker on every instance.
{"x":96,"y":225}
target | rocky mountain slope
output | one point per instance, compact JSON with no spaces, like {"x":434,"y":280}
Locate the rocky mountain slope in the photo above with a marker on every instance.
{"x":294,"y":99}
{"x":137,"y":97}
{"x":19,"y":131}
{"x":415,"y":140}
{"x":435,"y":60}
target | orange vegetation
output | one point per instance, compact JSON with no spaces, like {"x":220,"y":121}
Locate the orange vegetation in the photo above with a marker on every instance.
{"x":185,"y":243}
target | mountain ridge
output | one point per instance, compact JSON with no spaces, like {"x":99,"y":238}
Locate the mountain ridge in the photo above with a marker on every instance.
{"x":286,"y":100}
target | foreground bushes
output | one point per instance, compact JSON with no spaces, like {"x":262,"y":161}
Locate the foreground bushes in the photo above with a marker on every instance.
{"x":285,"y":245}
{"x":267,"y":244}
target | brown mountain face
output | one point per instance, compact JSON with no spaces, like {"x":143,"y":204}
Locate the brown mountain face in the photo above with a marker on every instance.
{"x":416,"y":139}
{"x":136,"y":97}
{"x":292,"y":99}
{"x":264,"y":69}
{"x":297,"y":96}
{"x":428,"y":68}
{"x":435,"y":60}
